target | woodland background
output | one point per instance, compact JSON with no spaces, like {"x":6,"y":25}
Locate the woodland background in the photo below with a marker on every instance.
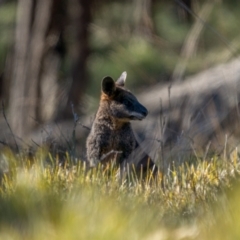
{"x":54,"y":53}
{"x":182,"y":62}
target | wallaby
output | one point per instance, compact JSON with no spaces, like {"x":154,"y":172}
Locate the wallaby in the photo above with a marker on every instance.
{"x":111,"y":135}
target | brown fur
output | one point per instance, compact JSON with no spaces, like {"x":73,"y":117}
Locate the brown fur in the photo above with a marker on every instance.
{"x":111,"y":136}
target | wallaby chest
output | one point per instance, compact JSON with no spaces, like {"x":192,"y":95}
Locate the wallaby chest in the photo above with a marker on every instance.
{"x":118,"y":138}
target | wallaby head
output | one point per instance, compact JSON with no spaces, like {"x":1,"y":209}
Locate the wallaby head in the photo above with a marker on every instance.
{"x":121,"y":103}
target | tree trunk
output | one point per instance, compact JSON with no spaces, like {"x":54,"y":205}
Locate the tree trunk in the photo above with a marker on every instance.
{"x":184,"y":10}
{"x":55,"y":52}
{"x":31,"y":27}
{"x":17,"y":108}
{"x":143,"y":18}
{"x":81,"y":51}
{"x":192,"y":39}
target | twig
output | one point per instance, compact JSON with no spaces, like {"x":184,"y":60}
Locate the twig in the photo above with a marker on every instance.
{"x":207,"y":150}
{"x":170,"y":108}
{"x":225,"y":148}
{"x":162,"y":153}
{"x":76,"y":119}
{"x":192,"y":39}
{"x":61,"y":133}
{"x":3,"y":143}
{"x":212,"y":29}
{"x":84,"y":126}
{"x":35,"y":143}
{"x":75,"y":115}
{"x":109,"y":153}
{"x":5,"y":118}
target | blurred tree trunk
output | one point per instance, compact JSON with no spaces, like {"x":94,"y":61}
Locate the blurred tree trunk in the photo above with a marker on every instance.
{"x":41,"y":27}
{"x":191,"y":41}
{"x":55,"y":52}
{"x":81,"y":18}
{"x":32,"y":25}
{"x":143,"y":17}
{"x":184,"y":10}
{"x":17,"y":108}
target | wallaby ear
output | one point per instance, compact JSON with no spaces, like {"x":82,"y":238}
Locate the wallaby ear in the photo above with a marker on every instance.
{"x":121,"y":81}
{"x":108,"y":86}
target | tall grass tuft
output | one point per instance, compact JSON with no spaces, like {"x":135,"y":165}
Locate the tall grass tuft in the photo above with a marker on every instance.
{"x":43,"y":198}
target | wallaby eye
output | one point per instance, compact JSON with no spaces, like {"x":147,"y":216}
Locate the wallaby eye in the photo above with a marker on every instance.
{"x":127,"y":103}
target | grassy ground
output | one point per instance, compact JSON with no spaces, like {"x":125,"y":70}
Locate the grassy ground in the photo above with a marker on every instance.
{"x":41,"y":200}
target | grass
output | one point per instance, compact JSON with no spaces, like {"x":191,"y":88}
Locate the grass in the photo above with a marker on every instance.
{"x":39,"y":199}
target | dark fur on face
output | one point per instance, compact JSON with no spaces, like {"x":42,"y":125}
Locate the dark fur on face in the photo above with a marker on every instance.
{"x":123,"y":105}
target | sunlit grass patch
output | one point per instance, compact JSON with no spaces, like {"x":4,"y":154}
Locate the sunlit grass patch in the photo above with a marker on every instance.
{"x":44,"y":198}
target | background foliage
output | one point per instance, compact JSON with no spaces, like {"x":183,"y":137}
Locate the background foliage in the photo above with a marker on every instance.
{"x":82,"y":41}
{"x":143,"y":37}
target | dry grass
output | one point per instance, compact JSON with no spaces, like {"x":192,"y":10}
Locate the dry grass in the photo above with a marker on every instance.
{"x":43,"y":200}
